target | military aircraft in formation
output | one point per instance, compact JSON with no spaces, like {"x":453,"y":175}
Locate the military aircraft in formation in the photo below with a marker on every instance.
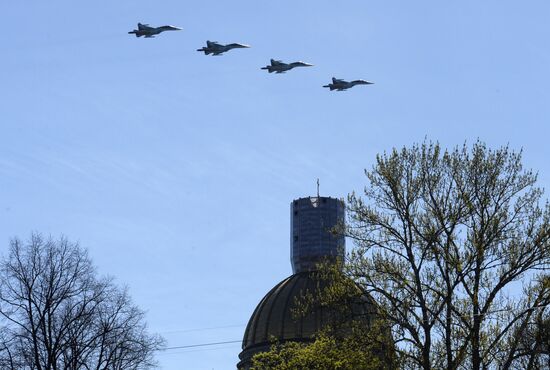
{"x":215,"y":48}
{"x":278,"y":66}
{"x":341,"y":85}
{"x":150,"y":32}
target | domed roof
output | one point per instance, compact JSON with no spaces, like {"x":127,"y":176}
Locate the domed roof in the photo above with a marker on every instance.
{"x":275,"y":315}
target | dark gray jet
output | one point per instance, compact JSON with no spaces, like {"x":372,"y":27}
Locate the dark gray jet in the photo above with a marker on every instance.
{"x":278,"y":66}
{"x":341,"y":85}
{"x":150,"y":32}
{"x":214,"y":48}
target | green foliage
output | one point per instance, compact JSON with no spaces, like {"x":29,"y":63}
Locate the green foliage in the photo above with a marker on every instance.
{"x":352,"y":352}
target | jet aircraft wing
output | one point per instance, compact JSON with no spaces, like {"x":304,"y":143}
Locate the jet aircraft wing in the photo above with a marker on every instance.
{"x":276,"y":62}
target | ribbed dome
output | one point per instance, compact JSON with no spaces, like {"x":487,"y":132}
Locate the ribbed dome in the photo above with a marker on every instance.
{"x":274,"y":316}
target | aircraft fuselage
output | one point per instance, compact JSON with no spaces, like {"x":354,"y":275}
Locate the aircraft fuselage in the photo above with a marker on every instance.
{"x":148,"y":32}
{"x":214,"y":48}
{"x":280,"y":67}
{"x":341,"y":85}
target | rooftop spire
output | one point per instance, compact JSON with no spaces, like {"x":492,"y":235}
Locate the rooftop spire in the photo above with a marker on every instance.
{"x":317,"y":187}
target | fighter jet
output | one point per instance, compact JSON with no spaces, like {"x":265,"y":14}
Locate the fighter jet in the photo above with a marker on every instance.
{"x":150,"y":32}
{"x":278,"y":66}
{"x":341,"y":85}
{"x":215,"y":48}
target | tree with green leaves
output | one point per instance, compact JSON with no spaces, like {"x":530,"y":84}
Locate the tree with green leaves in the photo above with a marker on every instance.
{"x":355,"y":351}
{"x":455,"y":248}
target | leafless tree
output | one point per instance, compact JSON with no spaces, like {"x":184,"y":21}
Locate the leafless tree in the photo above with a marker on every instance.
{"x":455,"y":246}
{"x":56,"y":313}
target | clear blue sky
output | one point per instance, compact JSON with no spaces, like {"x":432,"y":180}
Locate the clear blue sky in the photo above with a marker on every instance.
{"x":176,"y":170}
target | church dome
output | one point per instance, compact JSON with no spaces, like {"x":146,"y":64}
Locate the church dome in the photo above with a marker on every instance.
{"x":275,"y":316}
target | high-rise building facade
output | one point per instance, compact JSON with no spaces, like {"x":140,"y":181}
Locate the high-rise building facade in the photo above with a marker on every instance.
{"x":314,"y":232}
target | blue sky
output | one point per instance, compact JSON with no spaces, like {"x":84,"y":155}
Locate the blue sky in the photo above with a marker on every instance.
{"x":176,"y":170}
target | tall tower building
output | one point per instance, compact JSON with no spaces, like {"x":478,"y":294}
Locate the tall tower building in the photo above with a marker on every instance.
{"x":313,"y":240}
{"x":313,"y":232}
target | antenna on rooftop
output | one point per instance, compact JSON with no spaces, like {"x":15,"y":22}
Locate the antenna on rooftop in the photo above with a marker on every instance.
{"x":317,"y":187}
